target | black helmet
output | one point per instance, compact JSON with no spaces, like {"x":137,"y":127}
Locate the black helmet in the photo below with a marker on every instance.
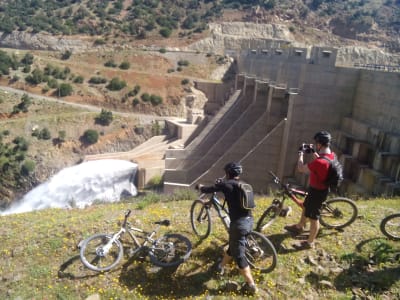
{"x":323,"y":138}
{"x":233,"y":169}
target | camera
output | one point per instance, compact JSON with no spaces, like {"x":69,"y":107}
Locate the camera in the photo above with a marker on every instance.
{"x":306,"y":148}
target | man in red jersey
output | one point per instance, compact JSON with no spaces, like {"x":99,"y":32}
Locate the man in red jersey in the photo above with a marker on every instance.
{"x":318,"y":190}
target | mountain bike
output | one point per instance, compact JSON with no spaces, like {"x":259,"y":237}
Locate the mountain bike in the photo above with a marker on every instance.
{"x":390,"y":226}
{"x":260,"y":252}
{"x":102,"y":252}
{"x":336,"y":213}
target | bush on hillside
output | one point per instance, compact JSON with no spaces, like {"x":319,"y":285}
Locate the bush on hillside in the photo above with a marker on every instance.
{"x":90,"y":136}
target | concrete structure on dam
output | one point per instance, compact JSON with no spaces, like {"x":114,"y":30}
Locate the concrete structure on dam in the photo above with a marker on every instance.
{"x":280,"y":98}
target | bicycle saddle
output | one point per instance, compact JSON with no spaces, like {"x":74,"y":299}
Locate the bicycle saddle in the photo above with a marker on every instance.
{"x":163,"y":222}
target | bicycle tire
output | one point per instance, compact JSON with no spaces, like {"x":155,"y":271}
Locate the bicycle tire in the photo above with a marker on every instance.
{"x":338,"y":213}
{"x":170,"y":250}
{"x":390,"y":227}
{"x":91,"y":253}
{"x":260,"y":252}
{"x":200,"y":219}
{"x":266,"y":219}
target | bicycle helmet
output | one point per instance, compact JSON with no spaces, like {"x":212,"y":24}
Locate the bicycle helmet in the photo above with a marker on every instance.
{"x":323,"y":138}
{"x":233,"y":169}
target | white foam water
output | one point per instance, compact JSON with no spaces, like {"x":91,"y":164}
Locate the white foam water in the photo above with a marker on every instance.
{"x":80,"y":186}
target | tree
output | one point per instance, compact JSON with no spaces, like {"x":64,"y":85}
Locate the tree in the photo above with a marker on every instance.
{"x":165,"y":32}
{"x":125,"y":65}
{"x":27,"y":167}
{"x":65,"y":89}
{"x":105,"y":118}
{"x":44,"y":134}
{"x":90,"y":136}
{"x":116,"y":84}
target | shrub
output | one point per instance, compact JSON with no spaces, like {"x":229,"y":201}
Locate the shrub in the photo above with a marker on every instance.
{"x":116,"y":84}
{"x":97,"y":80}
{"x":27,"y":167}
{"x":162,"y":50}
{"x":165,"y":32}
{"x":65,"y":89}
{"x":79,"y":79}
{"x":66,"y":55}
{"x":110,"y":63}
{"x":90,"y":136}
{"x":125,"y":65}
{"x":105,"y":118}
{"x":185,"y":81}
{"x":145,"y":97}
{"x":184,"y":63}
{"x":135,"y":101}
{"x":44,"y":134}
{"x":155,"y":100}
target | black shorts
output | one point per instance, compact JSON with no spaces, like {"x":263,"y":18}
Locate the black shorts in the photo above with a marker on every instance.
{"x":313,"y":203}
{"x":237,"y":240}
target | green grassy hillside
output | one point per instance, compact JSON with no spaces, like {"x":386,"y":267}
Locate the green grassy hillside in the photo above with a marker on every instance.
{"x":40,"y":259}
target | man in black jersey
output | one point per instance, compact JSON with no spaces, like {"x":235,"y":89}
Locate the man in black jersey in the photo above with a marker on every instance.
{"x":241,"y":224}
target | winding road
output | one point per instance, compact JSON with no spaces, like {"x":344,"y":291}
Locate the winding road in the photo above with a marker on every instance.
{"x":144,"y":119}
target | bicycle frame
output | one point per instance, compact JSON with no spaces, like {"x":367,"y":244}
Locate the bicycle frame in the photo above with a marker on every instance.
{"x":287,"y":191}
{"x":127,"y":227}
{"x":220,"y":208}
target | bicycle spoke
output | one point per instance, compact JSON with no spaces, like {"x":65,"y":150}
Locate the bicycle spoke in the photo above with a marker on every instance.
{"x":260,"y":252}
{"x":95,"y":257}
{"x":170,"y":250}
{"x":200,"y":219}
{"x":338,"y":213}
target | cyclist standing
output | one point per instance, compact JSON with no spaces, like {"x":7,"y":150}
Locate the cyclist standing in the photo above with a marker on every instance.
{"x":317,"y":169}
{"x":241,"y":224}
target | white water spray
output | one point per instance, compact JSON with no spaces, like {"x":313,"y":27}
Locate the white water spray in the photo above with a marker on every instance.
{"x":81,"y":185}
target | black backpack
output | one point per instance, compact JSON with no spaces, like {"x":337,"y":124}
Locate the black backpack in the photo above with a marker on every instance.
{"x":335,"y":173}
{"x":246,"y":195}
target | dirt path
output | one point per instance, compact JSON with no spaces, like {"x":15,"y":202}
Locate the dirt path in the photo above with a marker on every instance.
{"x":144,"y":119}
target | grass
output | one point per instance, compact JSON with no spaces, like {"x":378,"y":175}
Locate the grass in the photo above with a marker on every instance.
{"x":40,"y":259}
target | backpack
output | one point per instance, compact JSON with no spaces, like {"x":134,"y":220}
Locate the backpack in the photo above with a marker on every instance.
{"x":335,"y":173}
{"x":246,"y":196}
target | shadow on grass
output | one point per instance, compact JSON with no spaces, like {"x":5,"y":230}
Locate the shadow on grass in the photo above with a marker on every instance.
{"x":187,"y":280}
{"x":374,"y":267}
{"x":73,"y":269}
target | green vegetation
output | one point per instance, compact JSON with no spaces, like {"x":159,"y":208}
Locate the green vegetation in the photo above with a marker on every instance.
{"x":65,"y":89}
{"x":141,"y":19}
{"x":116,"y":84}
{"x":90,"y":136}
{"x":40,"y":256}
{"x":23,"y":106}
{"x":104,"y":118}
{"x":13,"y":165}
{"x":97,"y":80}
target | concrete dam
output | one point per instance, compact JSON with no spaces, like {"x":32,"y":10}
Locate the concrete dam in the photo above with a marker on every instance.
{"x":278,"y":99}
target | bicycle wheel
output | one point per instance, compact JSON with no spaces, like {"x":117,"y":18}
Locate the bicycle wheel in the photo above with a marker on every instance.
{"x":390,"y":226}
{"x":94,"y":255}
{"x":260,"y":252}
{"x":338,"y":213}
{"x":267,"y":218}
{"x":170,"y":250}
{"x":200,"y":219}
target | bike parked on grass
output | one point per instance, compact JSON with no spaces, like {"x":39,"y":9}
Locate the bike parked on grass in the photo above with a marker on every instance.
{"x":336,"y":213}
{"x":390,"y":226}
{"x":102,"y":252}
{"x":260,"y":252}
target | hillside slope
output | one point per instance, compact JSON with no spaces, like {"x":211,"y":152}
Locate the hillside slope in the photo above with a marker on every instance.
{"x":40,"y":259}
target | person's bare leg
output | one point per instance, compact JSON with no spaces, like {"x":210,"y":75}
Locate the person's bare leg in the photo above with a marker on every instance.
{"x":314,"y":228}
{"x":225,"y":260}
{"x":246,"y":273}
{"x":303,"y":220}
